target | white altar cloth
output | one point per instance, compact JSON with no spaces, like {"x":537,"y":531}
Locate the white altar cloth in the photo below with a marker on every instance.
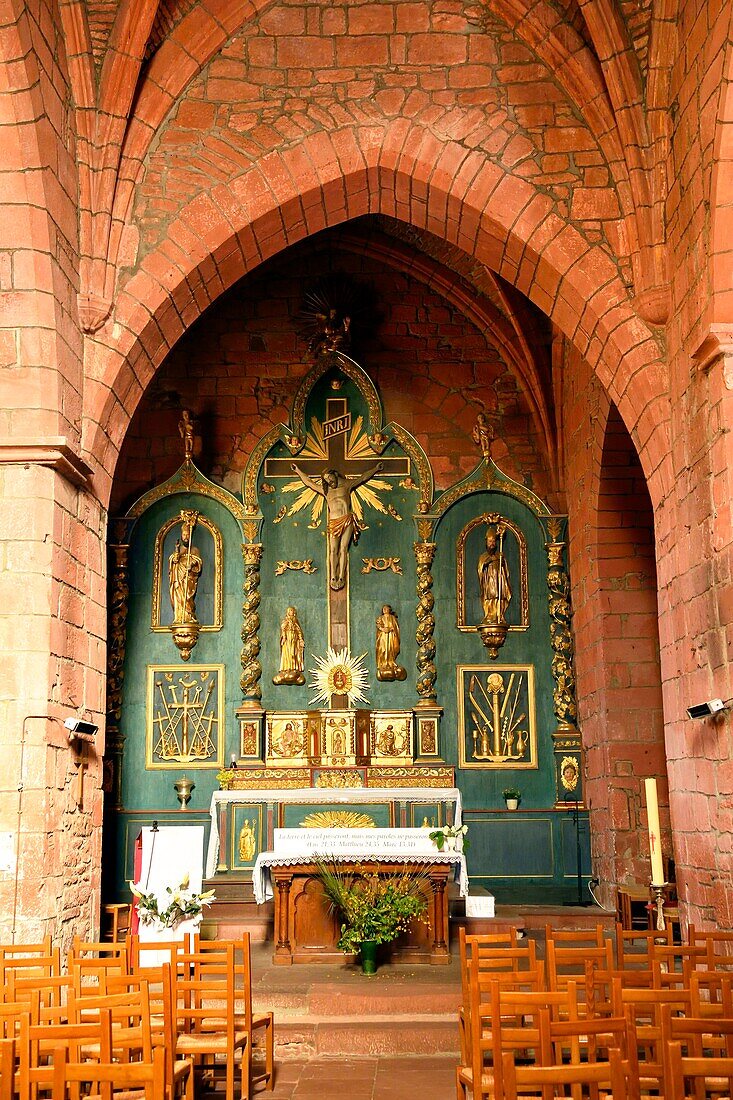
{"x":262,"y":884}
{"x":330,"y":796}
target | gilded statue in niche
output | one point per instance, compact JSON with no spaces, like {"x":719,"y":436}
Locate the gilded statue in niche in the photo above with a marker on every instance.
{"x":388,"y":646}
{"x":292,"y":650}
{"x":343,"y":527}
{"x":247,"y":842}
{"x":495,"y":589}
{"x":185,"y":565}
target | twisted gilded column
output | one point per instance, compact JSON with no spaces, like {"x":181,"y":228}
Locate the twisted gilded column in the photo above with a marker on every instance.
{"x":251,"y":667}
{"x":561,"y":638}
{"x":426,"y":671}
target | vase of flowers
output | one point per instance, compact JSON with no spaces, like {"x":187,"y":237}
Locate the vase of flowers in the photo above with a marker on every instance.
{"x":450,"y":837}
{"x":373,"y":908}
{"x":182,"y":912}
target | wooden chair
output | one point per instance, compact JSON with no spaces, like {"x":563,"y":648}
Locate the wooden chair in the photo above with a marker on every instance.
{"x":697,"y":1077}
{"x":45,"y":992}
{"x":100,"y":949}
{"x":89,"y":974}
{"x":118,"y":916}
{"x":482,"y":1020}
{"x":566,"y":964}
{"x":595,"y":1078}
{"x":26,"y":950}
{"x":711,"y":994}
{"x":144,"y":1079}
{"x":256,"y":1024}
{"x":38,"y":1045}
{"x":153,"y":986}
{"x":633,"y":946}
{"x":644,"y":1009}
{"x":7,"y":1069}
{"x":632,"y":906}
{"x":576,"y":937}
{"x":599,"y":986}
{"x":530,"y":980}
{"x":145,"y":954}
{"x":203,"y":1001}
{"x":30,"y":966}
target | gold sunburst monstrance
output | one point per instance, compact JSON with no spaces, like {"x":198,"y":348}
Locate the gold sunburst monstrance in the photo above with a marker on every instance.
{"x":338,"y":673}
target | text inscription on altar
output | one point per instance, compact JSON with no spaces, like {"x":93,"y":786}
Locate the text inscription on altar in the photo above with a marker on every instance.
{"x":360,"y":843}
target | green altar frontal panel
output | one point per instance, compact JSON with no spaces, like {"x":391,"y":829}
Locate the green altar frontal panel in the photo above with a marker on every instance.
{"x":529,"y":857}
{"x":293,"y":815}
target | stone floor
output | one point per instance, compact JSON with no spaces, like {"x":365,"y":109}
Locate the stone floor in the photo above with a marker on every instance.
{"x":340,"y":1035}
{"x":386,"y":1078}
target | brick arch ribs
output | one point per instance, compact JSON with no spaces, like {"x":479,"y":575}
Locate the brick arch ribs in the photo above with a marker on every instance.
{"x":404,"y":171}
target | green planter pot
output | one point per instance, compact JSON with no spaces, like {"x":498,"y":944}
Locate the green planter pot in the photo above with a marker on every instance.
{"x":368,"y":950}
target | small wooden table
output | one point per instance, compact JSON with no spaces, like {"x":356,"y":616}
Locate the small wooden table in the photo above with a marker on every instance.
{"x":307,"y":930}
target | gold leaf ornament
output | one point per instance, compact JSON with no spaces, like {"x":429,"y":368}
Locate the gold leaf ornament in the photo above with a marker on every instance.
{"x":337,"y":819}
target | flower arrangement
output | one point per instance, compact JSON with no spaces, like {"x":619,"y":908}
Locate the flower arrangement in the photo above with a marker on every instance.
{"x":184,"y":904}
{"x":373,"y":907}
{"x":448,"y":837}
{"x":512,"y":793}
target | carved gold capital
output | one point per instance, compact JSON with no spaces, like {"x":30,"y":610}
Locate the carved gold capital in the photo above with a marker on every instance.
{"x":424,"y":552}
{"x":252,"y":553}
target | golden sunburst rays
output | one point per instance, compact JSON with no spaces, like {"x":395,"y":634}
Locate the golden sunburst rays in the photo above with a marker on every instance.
{"x":337,"y":819}
{"x":338,"y":673}
{"x":356,"y":447}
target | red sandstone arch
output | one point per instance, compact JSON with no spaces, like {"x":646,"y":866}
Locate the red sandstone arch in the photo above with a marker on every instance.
{"x":721,"y":199}
{"x":44,"y":382}
{"x":404,"y":171}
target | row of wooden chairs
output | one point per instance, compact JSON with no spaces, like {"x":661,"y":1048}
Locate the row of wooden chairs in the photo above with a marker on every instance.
{"x":634,"y":1030}
{"x":194,"y":1006}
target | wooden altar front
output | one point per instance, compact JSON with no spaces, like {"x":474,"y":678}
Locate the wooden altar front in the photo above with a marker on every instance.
{"x":307,"y":930}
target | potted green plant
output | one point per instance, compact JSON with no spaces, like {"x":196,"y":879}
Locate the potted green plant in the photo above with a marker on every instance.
{"x":512,"y":797}
{"x":450,"y":837}
{"x":373,"y":908}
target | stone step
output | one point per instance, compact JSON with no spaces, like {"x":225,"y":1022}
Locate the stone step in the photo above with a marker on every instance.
{"x":330,"y":999}
{"x":366,"y":1037}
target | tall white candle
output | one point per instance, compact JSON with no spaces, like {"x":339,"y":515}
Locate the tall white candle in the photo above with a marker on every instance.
{"x":655,"y":839}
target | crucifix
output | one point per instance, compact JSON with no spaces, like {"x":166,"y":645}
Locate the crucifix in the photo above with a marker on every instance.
{"x":335,"y":478}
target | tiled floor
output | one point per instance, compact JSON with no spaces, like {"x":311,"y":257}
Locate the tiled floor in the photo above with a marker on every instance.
{"x":365,"y":1079}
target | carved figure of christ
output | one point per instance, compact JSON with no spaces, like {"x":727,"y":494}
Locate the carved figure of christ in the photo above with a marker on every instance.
{"x":349,"y":473}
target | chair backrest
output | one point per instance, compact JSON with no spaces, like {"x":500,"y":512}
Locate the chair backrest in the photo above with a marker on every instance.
{"x":30,"y":966}
{"x":147,"y":1076}
{"x":99,"y":949}
{"x":130,"y":1015}
{"x":202,"y":991}
{"x":242,"y":968}
{"x":7,"y":1069}
{"x":144,"y":954}
{"x":566,"y":964}
{"x":50,"y":992}
{"x":687,"y":1076}
{"x":26,"y":950}
{"x":576,"y":937}
{"x":38,"y":1045}
{"x":551,"y":1081}
{"x":711,"y":993}
{"x":89,"y":974}
{"x":633,"y":946}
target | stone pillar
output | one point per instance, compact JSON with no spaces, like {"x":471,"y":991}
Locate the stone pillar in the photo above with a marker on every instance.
{"x":52,"y":663}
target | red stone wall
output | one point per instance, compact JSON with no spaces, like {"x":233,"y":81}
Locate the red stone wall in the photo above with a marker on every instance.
{"x":52,"y":635}
{"x":615,"y":623}
{"x":240,"y":367}
{"x":695,"y":533}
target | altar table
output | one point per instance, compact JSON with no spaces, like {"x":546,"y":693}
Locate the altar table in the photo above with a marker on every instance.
{"x":306,"y":929}
{"x":347,"y":797}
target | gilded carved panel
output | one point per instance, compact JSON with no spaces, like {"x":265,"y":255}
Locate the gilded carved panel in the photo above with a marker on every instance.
{"x":185,"y":716}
